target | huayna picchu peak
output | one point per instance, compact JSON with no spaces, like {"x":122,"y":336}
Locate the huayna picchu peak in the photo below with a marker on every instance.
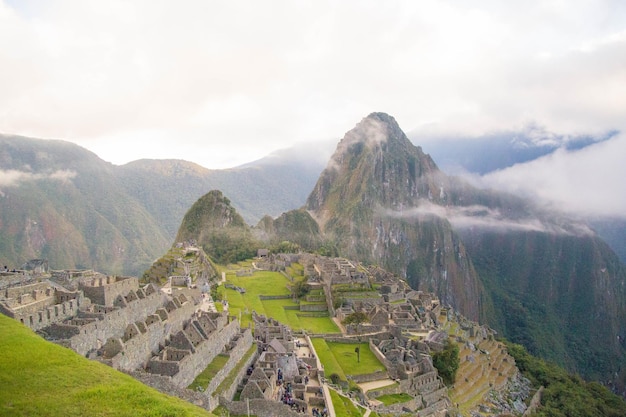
{"x":377,"y":172}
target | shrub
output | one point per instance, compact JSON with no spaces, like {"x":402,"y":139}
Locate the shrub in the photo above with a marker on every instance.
{"x":447,"y":362}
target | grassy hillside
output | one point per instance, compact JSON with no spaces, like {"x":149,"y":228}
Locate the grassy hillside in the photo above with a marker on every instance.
{"x":38,"y":378}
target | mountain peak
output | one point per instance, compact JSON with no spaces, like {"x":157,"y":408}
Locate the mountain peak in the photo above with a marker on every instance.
{"x":374,"y":130}
{"x":374,"y":163}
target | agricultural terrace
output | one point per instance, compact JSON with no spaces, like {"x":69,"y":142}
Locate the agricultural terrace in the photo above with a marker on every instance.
{"x":285,"y":310}
{"x":341,"y":358}
{"x":344,"y":407}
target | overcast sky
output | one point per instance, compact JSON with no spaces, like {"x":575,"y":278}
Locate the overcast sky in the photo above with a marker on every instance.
{"x":221,"y":83}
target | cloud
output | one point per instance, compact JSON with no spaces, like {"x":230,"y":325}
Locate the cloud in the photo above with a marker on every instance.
{"x":221,"y":83}
{"x":585,"y":182}
{"x":13,"y":178}
{"x":485,"y":218}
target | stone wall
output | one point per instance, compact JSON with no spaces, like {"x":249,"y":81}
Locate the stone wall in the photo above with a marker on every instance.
{"x":435,"y":396}
{"x":391,"y":389}
{"x":137,"y":351}
{"x":229,"y":393}
{"x":329,"y":300}
{"x":93,"y":335}
{"x":400,"y":408}
{"x":380,"y":356}
{"x":374,"y":376}
{"x":206,"y":351}
{"x":259,"y":408}
{"x":48,"y":315}
{"x":433,"y":409}
{"x":243,"y":344}
{"x":164,"y":384}
{"x":104,"y":290}
{"x":274,"y":297}
{"x":354,"y":329}
{"x":15,"y":292}
{"x":38,"y":304}
{"x":313,"y":307}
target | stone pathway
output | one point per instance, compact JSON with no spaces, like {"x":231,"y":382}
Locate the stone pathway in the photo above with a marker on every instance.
{"x":305,"y":351}
{"x":207,"y":304}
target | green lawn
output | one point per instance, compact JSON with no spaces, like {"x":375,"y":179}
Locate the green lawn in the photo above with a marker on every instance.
{"x":270,"y":283}
{"x":340,"y":358}
{"x":39,"y":378}
{"x":343,"y":406}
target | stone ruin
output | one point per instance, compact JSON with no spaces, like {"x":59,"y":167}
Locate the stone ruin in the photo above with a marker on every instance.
{"x":38,"y":304}
{"x":279,"y":382}
{"x":164,"y":340}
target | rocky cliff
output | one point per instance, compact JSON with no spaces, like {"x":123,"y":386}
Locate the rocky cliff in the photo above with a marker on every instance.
{"x":363,"y":202}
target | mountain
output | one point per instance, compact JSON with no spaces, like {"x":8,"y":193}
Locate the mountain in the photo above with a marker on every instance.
{"x":274,"y":184}
{"x":488,"y":154}
{"x":374,"y":175}
{"x":61,"y":202}
{"x":539,"y":277}
{"x":214,"y":224}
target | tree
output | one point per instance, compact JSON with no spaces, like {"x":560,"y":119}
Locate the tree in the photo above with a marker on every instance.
{"x":447,"y":362}
{"x":357,"y":318}
{"x":301,"y":288}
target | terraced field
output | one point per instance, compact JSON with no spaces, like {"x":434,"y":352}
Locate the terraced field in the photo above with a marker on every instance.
{"x":341,"y":358}
{"x":490,"y":362}
{"x":285,"y":310}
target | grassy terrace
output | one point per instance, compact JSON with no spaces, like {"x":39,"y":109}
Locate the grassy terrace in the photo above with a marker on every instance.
{"x":205,"y":377}
{"x":341,"y":359}
{"x":228,"y":381}
{"x":270,"y":284}
{"x":344,"y":407}
{"x":39,"y":378}
{"x":391,"y":399}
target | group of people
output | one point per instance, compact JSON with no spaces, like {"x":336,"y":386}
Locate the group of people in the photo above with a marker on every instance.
{"x":318,"y":413}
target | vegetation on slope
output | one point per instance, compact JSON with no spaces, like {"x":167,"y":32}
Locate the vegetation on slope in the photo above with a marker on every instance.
{"x":39,"y":378}
{"x":447,"y":362}
{"x":566,"y":395}
{"x":551,"y":292}
{"x":217,"y":227}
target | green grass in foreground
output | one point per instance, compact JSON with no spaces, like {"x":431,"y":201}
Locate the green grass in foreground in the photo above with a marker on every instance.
{"x":340,"y":358}
{"x":39,"y":378}
{"x":391,"y":399}
{"x":344,"y":407}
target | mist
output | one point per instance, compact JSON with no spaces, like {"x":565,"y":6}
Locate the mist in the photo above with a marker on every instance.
{"x":13,"y":178}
